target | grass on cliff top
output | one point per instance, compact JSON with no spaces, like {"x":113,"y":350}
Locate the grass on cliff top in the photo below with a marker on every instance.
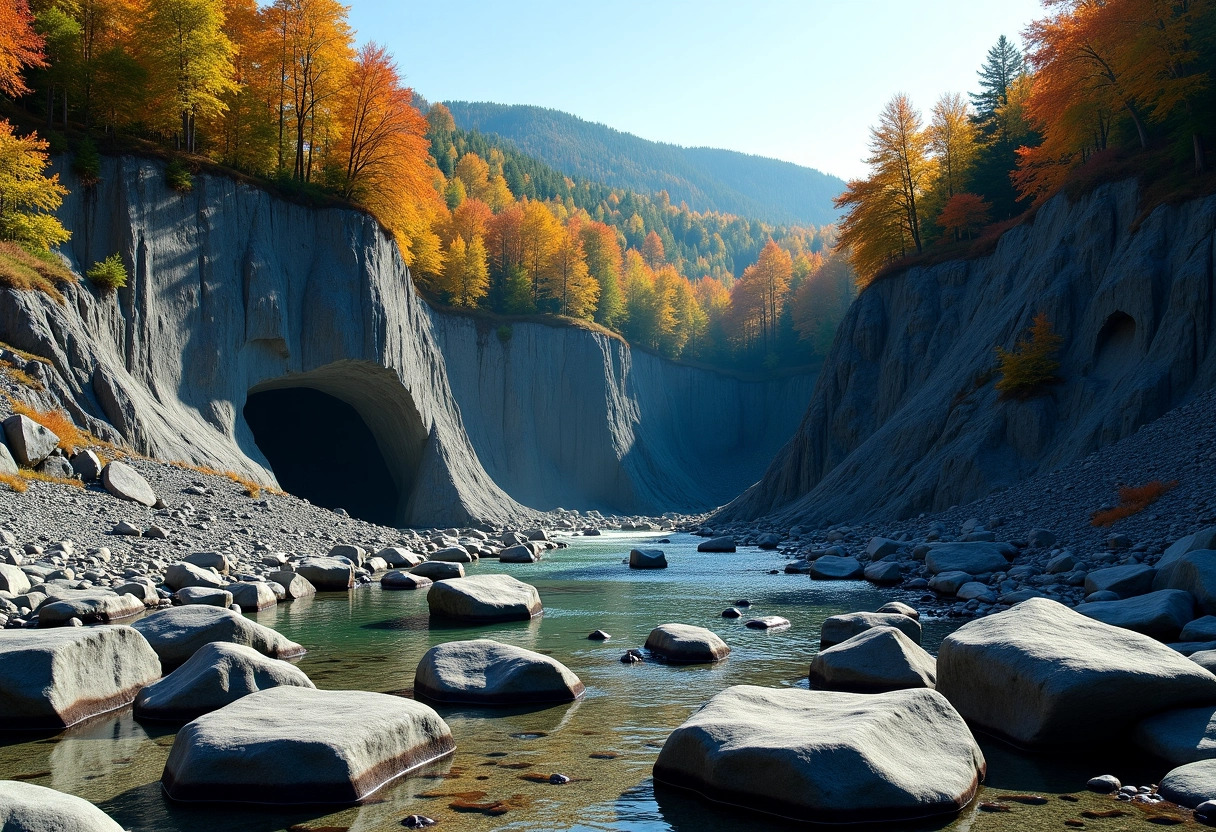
{"x":21,"y":270}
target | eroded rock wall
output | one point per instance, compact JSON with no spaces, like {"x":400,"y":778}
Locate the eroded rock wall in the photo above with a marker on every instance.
{"x":905,"y":416}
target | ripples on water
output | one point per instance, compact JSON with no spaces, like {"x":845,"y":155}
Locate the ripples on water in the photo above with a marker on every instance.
{"x":372,"y":640}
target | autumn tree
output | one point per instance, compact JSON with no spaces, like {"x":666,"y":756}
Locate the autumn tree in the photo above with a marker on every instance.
{"x":772,"y":272}
{"x":604,"y":262}
{"x":951,"y":139}
{"x":820,"y":302}
{"x":28,"y":197}
{"x":540,"y":235}
{"x":20,"y":46}
{"x":466,"y":273}
{"x":1033,"y":361}
{"x":653,"y":252}
{"x":964,"y":214}
{"x":567,"y":282}
{"x":61,"y":38}
{"x":246,"y":129}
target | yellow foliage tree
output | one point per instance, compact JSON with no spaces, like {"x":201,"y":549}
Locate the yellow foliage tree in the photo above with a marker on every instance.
{"x":28,"y":198}
{"x":1032,"y":362}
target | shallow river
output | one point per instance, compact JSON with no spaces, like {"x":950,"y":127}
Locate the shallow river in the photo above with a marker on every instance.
{"x":497,"y":779}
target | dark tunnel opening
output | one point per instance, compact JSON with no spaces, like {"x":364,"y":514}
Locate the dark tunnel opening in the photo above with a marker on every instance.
{"x":321,"y":449}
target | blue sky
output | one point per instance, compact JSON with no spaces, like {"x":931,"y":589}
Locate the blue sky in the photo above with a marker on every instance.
{"x":800,"y":81}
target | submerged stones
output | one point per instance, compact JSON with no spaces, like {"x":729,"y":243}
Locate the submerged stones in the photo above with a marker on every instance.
{"x":25,"y":807}
{"x":484,"y":599}
{"x":648,"y":559}
{"x":686,"y":644}
{"x":177,"y":633}
{"x":717,"y":544}
{"x":1031,"y":675}
{"x":876,"y":660}
{"x":217,"y":674}
{"x":295,"y":745}
{"x":487,"y":672}
{"x":768,"y":622}
{"x":400,"y":579}
{"x":843,"y":757}
{"x":50,"y":679}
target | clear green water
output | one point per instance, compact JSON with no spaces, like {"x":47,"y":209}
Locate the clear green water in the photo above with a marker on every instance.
{"x":372,"y":640}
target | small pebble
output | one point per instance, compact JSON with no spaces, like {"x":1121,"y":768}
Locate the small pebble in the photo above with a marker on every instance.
{"x":599,"y":635}
{"x":558,"y":779}
{"x":417,"y":822}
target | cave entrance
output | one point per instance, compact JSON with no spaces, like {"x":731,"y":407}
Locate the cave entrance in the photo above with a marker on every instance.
{"x":346,"y":436}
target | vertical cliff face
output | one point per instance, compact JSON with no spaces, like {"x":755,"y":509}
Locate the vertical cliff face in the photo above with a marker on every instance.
{"x":561,"y":416}
{"x":905,"y":417}
{"x":259,"y":336}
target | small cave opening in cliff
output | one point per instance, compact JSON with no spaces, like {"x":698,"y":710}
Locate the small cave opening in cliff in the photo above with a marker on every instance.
{"x":321,"y":449}
{"x":1116,"y":351}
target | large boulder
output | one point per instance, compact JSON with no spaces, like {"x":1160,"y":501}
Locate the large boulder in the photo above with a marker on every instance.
{"x":398,"y":558}
{"x":217,"y":674}
{"x":205,"y":595}
{"x":400,"y":579}
{"x":25,"y":807}
{"x":452,"y":554}
{"x":95,"y":607}
{"x":840,"y":628}
{"x":295,"y":585}
{"x":647,"y":559}
{"x":1190,"y":785}
{"x":50,"y":679}
{"x":486,"y":672}
{"x":13,"y":580}
{"x":253,"y":596}
{"x":29,"y":442}
{"x":717,"y":544}
{"x":523,"y":553}
{"x":827,"y":757}
{"x":1124,"y":581}
{"x":876,"y":660}
{"x":295,"y":745}
{"x":8,"y":465}
{"x":686,"y":644}
{"x":836,"y":568}
{"x":483,"y":599}
{"x":1161,"y":614}
{"x":1195,"y":572}
{"x":125,"y":483}
{"x":327,"y":574}
{"x":1181,"y":736}
{"x":977,"y":558}
{"x":178,"y":632}
{"x":1202,"y":539}
{"x":438,"y":571}
{"x":181,"y":575}
{"x":1041,"y":675}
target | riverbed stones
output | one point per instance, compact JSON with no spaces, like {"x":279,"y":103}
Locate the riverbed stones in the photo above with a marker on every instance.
{"x":973,"y":558}
{"x":647,"y":559}
{"x":839,"y":628}
{"x":1035,"y":674}
{"x":487,"y":672}
{"x":207,"y":596}
{"x":438,"y":571}
{"x":1194,"y":572}
{"x":181,"y":575}
{"x":295,"y":586}
{"x":1126,"y":581}
{"x":349,"y":552}
{"x":884,"y":572}
{"x":1184,"y":735}
{"x":1189,"y":785}
{"x":523,"y":553}
{"x":29,"y":442}
{"x":686,"y":644}
{"x":296,"y":745}
{"x":452,"y":554}
{"x":25,"y":807}
{"x":483,"y":599}
{"x":399,"y":558}
{"x":50,"y":679}
{"x":901,"y":608}
{"x":327,"y":574}
{"x":217,"y":674}
{"x":835,"y":568}
{"x":1161,"y":614}
{"x":125,"y":483}
{"x":13,"y":580}
{"x":97,"y":607}
{"x":400,"y":579}
{"x":717,"y":544}
{"x":842,"y":757}
{"x":768,"y":622}
{"x":253,"y":596}
{"x":876,"y":660}
{"x":177,"y":633}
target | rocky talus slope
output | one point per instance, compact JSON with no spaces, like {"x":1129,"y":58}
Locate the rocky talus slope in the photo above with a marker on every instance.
{"x":237,"y":295}
{"x":905,"y":417}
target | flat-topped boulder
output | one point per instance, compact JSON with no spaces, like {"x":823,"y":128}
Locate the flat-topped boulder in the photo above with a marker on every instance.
{"x":29,"y":442}
{"x":25,"y":807}
{"x":327,"y":574}
{"x":438,"y":571}
{"x":296,"y":745}
{"x":1125,"y":581}
{"x":1035,"y":673}
{"x":253,"y":596}
{"x":1193,"y":571}
{"x":1161,"y":614}
{"x":125,"y":483}
{"x":839,"y":628}
{"x":181,"y":575}
{"x":876,"y":660}
{"x":210,"y":560}
{"x":50,"y":679}
{"x":206,"y":596}
{"x":1190,"y":785}
{"x":976,"y":558}
{"x":486,"y":672}
{"x":398,"y":557}
{"x":178,"y":632}
{"x":400,"y":579}
{"x":647,"y":559}
{"x":217,"y":674}
{"x":483,"y":599}
{"x":93,"y":607}
{"x":686,"y":644}
{"x":836,"y":568}
{"x":827,"y":757}
{"x":717,"y":544}
{"x":452,"y":554}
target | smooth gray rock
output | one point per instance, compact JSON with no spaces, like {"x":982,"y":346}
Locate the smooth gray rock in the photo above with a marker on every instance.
{"x":884,"y":572}
{"x":1189,"y":785}
{"x":647,"y":559}
{"x":354,"y":554}
{"x":842,"y":757}
{"x":518,"y":554}
{"x":1132,"y":579}
{"x":1205,"y":659}
{"x":25,"y":807}
{"x":486,"y":672}
{"x":28,"y":441}
{"x":717,"y":544}
{"x":1181,"y":736}
{"x":1030,"y":674}
{"x":210,"y":560}
{"x":880,"y":547}
{"x":327,"y":574}
{"x":972,"y":558}
{"x":252,"y":596}
{"x":125,"y":483}
{"x":294,"y":745}
{"x":87,"y":465}
{"x":948,"y":583}
{"x":483,"y":599}
{"x":206,"y":595}
{"x":840,"y":628}
{"x":452,"y":554}
{"x":1202,"y":539}
{"x":878,"y":659}
{"x":1201,"y":629}
{"x":50,"y":679}
{"x":1195,"y":572}
{"x":901,"y":608}
{"x":8,"y":465}
{"x":177,"y":633}
{"x":295,"y":585}
{"x":181,"y":575}
{"x":217,"y":674}
{"x":98,"y":607}
{"x":438,"y":571}
{"x":1161,"y":614}
{"x":767,"y":622}
{"x":13,"y":580}
{"x":832,"y":567}
{"x":399,"y":558}
{"x":400,"y":579}
{"x":145,"y":592}
{"x":57,"y":466}
{"x":686,"y":644}
{"x":768,"y":540}
{"x":976,"y":591}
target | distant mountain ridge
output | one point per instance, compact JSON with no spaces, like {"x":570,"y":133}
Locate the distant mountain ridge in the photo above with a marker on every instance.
{"x":708,"y":179}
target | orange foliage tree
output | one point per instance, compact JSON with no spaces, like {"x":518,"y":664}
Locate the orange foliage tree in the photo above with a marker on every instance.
{"x":20,"y":46}
{"x":964,"y":214}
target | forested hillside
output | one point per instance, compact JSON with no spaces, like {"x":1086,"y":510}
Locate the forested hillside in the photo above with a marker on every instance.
{"x":706,"y":178}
